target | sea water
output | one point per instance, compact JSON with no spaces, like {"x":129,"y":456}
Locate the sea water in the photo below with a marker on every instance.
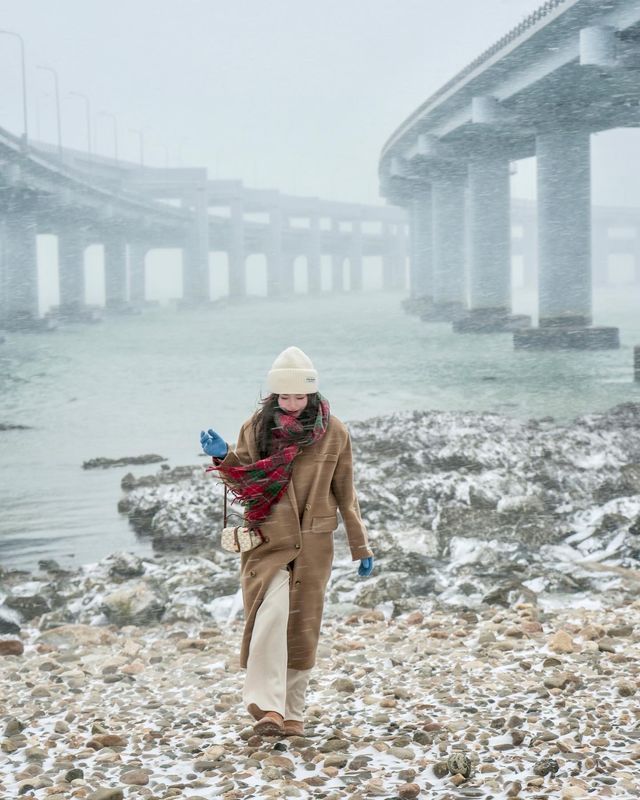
{"x":149,"y":383}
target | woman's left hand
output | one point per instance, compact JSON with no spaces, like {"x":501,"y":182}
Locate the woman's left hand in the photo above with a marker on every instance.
{"x":213,"y":444}
{"x":366,"y":566}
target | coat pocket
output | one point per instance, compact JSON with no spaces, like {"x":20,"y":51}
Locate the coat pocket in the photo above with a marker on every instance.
{"x":324,"y":524}
{"x":326,"y":457}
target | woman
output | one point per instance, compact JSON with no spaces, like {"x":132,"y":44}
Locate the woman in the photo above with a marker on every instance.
{"x":291,"y":470}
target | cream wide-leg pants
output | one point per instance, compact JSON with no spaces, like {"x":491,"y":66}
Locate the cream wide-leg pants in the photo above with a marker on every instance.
{"x":268,"y":682}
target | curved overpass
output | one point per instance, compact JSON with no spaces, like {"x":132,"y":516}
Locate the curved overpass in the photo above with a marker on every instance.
{"x":570,"y":69}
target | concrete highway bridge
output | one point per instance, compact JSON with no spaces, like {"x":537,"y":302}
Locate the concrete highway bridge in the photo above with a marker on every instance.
{"x":570,"y":69}
{"x":131,"y":210}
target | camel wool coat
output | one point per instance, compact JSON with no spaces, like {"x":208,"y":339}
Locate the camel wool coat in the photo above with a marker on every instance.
{"x":299,"y":534}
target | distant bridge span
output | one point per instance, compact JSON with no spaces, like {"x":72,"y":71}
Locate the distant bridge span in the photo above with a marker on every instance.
{"x":132,"y":209}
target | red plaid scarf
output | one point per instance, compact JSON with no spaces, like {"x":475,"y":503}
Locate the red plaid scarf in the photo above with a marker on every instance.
{"x":259,"y":486}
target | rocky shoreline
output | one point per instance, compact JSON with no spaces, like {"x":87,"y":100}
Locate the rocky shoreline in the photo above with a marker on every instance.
{"x":462,"y":508}
{"x":461,"y":505}
{"x":124,"y":461}
{"x":501,"y":623}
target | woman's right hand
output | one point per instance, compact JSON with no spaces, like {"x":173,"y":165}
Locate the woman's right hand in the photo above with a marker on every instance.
{"x":213,"y":444}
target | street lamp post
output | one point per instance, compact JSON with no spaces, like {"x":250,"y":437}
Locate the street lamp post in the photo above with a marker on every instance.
{"x":87,"y":105}
{"x":24,"y":83}
{"x":180,"y":157}
{"x":114,"y":121}
{"x":141,"y":138}
{"x":166,"y":154}
{"x":58,"y":118}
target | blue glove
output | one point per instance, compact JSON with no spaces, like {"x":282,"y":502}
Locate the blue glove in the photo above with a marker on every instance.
{"x":213,"y":444}
{"x":366,"y":567}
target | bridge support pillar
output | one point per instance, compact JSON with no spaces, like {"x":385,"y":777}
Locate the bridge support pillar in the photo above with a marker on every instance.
{"x":393,"y":259}
{"x":388,"y":260}
{"x":489,"y":250}
{"x":236,"y":255}
{"x":421,"y":252}
{"x":564,"y":229}
{"x":564,"y":247}
{"x":355,"y":256}
{"x":19,"y":295}
{"x":337,"y":273}
{"x":71,"y":246}
{"x":600,"y":254}
{"x":337,"y":260}
{"x":288,"y":273}
{"x":421,"y":268}
{"x":195,"y":255}
{"x":448,"y":250}
{"x":314,"y":257}
{"x":137,"y":276}
{"x":115,"y":272}
{"x":529,"y":255}
{"x":274,"y":253}
{"x":401,"y":243}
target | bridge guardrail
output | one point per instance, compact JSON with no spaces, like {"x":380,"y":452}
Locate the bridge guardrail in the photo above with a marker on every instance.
{"x":42,"y":159}
{"x":510,"y":36}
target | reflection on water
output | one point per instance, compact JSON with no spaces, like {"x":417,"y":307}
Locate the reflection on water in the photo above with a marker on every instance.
{"x":149,"y":384}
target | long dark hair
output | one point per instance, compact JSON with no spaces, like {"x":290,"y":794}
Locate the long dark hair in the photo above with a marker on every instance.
{"x":264,"y":421}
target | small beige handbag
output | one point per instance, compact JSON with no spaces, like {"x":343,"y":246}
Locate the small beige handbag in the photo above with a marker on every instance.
{"x":238,"y":539}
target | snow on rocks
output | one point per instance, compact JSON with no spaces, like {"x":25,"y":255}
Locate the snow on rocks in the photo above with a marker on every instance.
{"x":126,"y":589}
{"x":180,"y":510}
{"x":493,"y":476}
{"x":465,"y":508}
{"x":454,"y":475}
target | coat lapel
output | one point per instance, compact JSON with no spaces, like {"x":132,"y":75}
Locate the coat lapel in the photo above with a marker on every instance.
{"x":291,"y":493}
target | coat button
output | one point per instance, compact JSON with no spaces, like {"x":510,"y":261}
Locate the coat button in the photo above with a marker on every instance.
{"x":297,"y":583}
{"x":266,"y":540}
{"x":308,"y":507}
{"x":252,"y":573}
{"x":297,"y":547}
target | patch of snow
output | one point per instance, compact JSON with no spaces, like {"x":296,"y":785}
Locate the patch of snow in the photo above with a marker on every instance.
{"x":562,"y":600}
{"x":536,"y":585}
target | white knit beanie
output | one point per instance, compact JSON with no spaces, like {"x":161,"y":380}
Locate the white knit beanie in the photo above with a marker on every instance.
{"x":292,"y":373}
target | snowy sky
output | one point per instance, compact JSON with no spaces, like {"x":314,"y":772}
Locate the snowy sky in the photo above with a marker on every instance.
{"x":289,"y":94}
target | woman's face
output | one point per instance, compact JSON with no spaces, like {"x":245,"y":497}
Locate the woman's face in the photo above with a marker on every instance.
{"x":293,"y":404}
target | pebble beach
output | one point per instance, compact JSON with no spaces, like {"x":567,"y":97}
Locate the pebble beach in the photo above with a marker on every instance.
{"x":542,"y":705}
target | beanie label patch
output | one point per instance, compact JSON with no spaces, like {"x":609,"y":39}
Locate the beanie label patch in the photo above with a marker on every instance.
{"x":310,"y":379}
